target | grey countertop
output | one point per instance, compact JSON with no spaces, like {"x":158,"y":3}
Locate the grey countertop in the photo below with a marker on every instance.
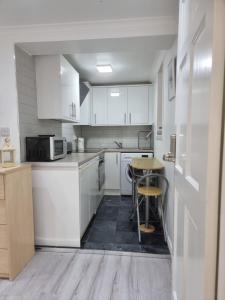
{"x":77,"y":159}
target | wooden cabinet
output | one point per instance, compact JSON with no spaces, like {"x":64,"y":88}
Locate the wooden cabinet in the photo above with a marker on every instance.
{"x":122,"y":105}
{"x":16,"y":220}
{"x":138,"y":105}
{"x":99,"y":106}
{"x":112,"y":172}
{"x":58,"y":90}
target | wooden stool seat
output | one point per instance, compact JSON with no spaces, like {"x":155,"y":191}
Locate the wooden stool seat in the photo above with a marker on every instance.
{"x":149,"y":191}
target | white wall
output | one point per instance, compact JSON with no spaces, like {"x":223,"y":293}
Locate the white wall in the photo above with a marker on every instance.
{"x":162,"y":145}
{"x":103,"y":137}
{"x":29,"y":124}
{"x":62,"y":32}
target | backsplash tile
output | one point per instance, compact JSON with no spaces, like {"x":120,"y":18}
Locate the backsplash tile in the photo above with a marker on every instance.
{"x":104,"y":137}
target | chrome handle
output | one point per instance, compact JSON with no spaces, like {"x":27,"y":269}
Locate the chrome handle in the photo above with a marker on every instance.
{"x":71,"y":110}
{"x":117,"y":158}
{"x":75,"y":111}
{"x":171,"y":156}
{"x":125,"y":118}
{"x":95,"y":118}
{"x":130,"y":117}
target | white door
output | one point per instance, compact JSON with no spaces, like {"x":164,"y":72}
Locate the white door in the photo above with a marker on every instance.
{"x":99,"y":106}
{"x":112,"y":171}
{"x":117,"y":106}
{"x":138,"y":105}
{"x":198,"y":121}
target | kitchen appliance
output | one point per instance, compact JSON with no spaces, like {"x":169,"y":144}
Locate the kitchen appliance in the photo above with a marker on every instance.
{"x":101,"y":172}
{"x":45,"y":148}
{"x":125,"y":176}
{"x":80,"y":144}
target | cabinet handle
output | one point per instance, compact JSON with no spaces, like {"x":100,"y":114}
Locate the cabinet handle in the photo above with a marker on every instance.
{"x":125,"y":118}
{"x":130,"y":118}
{"x":95,"y":118}
{"x":72,"y":110}
{"x":117,"y":158}
{"x":75,"y":111}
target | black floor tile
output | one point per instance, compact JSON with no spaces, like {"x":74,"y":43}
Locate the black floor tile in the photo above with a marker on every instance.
{"x":112,"y":230}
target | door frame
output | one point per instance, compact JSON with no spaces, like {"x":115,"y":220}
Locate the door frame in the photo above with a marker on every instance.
{"x":221,"y":222}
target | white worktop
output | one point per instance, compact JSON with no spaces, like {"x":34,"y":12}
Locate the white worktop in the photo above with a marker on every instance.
{"x":78,"y":159}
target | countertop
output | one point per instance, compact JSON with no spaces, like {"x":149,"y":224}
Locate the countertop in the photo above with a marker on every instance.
{"x":78,"y":159}
{"x":5,"y":171}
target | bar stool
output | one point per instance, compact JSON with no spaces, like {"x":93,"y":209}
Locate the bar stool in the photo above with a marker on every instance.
{"x":147,"y":191}
{"x":134,"y":176}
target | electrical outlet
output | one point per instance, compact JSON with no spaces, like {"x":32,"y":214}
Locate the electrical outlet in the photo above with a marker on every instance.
{"x":4,"y":131}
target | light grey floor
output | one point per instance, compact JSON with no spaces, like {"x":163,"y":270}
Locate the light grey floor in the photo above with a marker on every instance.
{"x":91,"y":275}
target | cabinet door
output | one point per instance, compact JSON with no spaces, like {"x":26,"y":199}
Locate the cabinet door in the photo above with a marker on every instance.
{"x":70,"y":91}
{"x":112,"y":171}
{"x":84,"y":198}
{"x":99,"y":106}
{"x":138,"y":105}
{"x":117,"y":106}
{"x":76,"y":97}
{"x":93,"y":182}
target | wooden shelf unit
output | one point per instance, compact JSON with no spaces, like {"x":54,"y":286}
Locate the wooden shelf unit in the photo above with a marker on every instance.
{"x":16,"y":220}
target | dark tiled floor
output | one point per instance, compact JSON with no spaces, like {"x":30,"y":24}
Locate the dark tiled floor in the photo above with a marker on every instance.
{"x":112,"y":230}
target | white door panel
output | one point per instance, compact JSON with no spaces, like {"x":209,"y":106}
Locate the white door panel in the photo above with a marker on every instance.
{"x":117,"y":106}
{"x":197,"y":114}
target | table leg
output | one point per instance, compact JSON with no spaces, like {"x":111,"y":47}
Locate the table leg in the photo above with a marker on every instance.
{"x":146,"y":212}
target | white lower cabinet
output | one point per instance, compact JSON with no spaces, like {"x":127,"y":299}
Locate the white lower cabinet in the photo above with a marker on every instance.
{"x":112,"y":172}
{"x":89,"y":195}
{"x":65,"y":199}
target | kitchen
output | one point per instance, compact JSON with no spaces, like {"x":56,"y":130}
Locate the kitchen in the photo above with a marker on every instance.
{"x":111,"y":132}
{"x":106,"y":126}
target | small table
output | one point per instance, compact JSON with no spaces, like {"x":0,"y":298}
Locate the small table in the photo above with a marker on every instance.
{"x":148,"y":165}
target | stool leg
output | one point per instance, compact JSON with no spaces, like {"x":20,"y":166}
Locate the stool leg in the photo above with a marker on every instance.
{"x":138,"y":218}
{"x":146,"y":211}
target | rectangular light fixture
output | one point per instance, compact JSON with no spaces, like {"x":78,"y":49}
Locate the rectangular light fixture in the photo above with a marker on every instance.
{"x":104,"y":68}
{"x":114,"y":94}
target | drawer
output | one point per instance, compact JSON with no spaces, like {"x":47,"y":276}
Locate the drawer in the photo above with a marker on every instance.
{"x":4,"y":262}
{"x":3,"y":237}
{"x":2,"y":191}
{"x":3,"y":212}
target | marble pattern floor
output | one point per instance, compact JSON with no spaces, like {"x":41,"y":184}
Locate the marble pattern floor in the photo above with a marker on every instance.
{"x":91,"y":275}
{"x":111,"y":229}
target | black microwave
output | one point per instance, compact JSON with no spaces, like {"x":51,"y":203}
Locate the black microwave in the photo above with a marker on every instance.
{"x":45,"y":148}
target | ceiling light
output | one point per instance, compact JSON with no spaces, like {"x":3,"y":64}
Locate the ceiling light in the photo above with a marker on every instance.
{"x":104,"y":68}
{"x":114,"y":94}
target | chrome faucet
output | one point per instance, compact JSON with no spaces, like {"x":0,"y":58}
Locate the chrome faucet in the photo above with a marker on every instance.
{"x":119,"y":145}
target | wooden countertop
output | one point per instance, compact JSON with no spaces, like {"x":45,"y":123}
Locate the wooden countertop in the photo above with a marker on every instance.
{"x":145,"y":163}
{"x":4,"y":171}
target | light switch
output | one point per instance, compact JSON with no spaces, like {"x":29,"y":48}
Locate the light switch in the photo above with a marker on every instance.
{"x":4,"y":131}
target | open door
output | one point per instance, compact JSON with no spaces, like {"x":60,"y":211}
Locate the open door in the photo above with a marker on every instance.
{"x":198,"y":121}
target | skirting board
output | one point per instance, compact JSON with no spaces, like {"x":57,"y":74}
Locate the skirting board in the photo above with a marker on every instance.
{"x":57,"y":243}
{"x":112,"y":192}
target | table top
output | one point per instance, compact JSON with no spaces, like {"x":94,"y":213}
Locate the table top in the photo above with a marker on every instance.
{"x":145,"y":163}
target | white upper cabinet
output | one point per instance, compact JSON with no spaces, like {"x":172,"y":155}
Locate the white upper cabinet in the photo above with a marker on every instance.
{"x":122,"y":105}
{"x":138,"y":105}
{"x":99,"y":105}
{"x":58,"y":90}
{"x":117,"y":106}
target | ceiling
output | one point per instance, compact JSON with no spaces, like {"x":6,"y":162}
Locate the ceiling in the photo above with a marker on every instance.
{"x":27,"y":12}
{"x":132,"y":59}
